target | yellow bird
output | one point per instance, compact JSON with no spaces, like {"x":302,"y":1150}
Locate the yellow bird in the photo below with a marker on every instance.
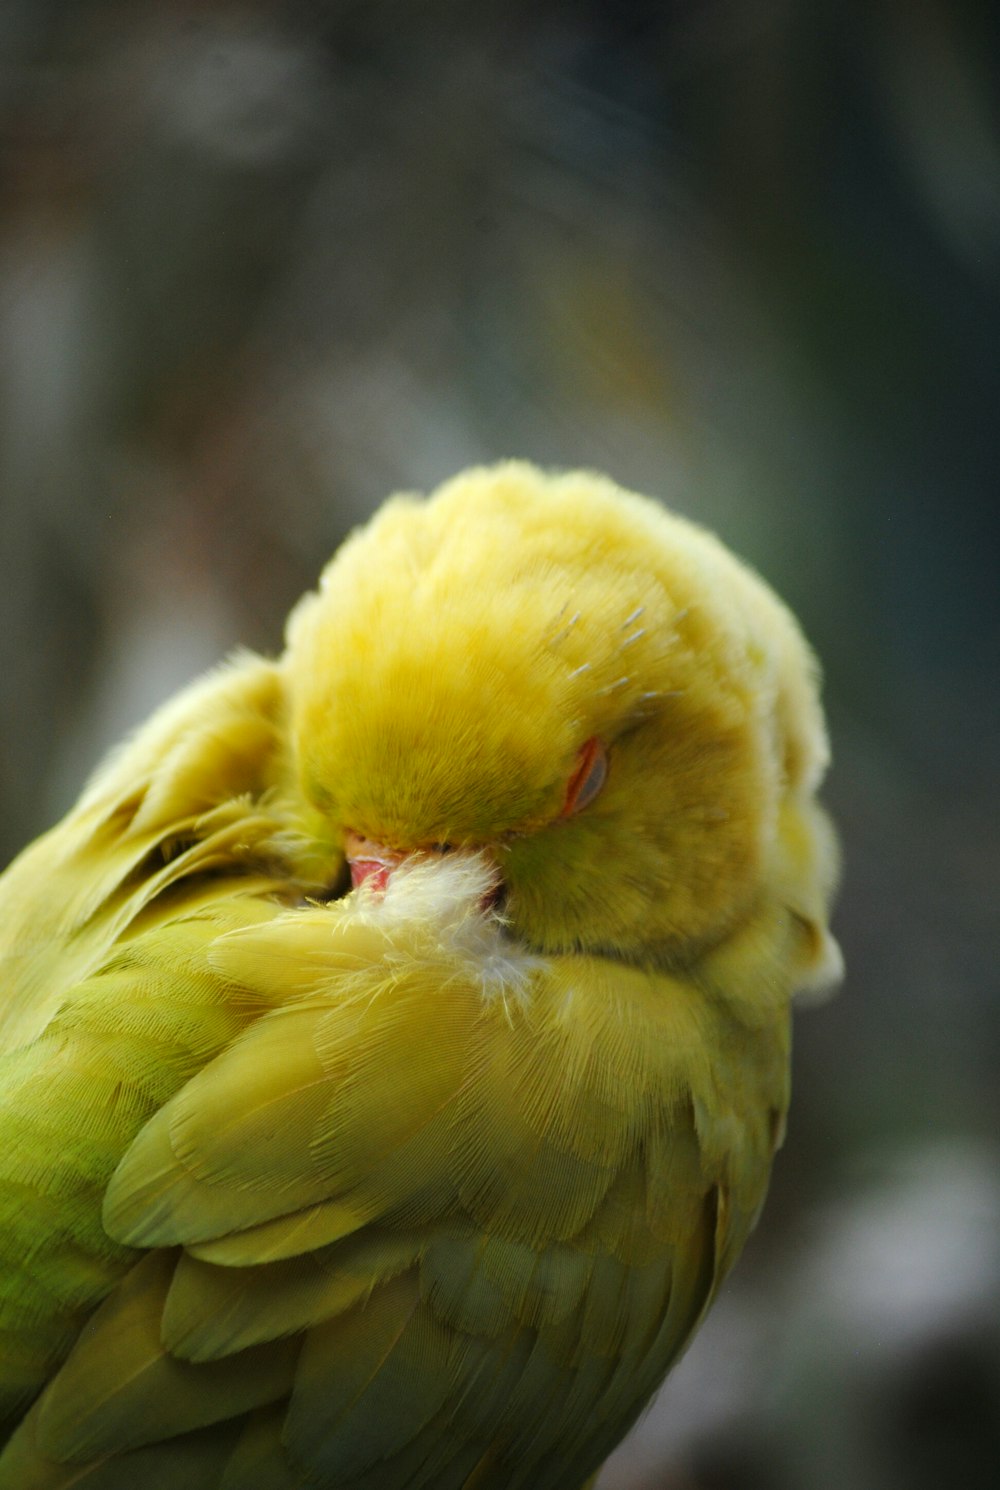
{"x":394,"y":1037}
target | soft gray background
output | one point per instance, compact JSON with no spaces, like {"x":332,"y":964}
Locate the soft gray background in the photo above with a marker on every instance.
{"x":262,"y":263}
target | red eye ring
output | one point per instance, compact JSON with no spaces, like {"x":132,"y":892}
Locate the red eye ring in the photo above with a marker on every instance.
{"x":588,"y":777}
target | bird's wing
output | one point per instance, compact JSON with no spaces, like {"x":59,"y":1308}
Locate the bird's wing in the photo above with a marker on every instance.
{"x":184,"y":798}
{"x":71,"y":1101}
{"x":107,"y":1001}
{"x":401,"y":1234}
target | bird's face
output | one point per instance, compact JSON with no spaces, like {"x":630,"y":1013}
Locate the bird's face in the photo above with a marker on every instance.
{"x":554,"y":674}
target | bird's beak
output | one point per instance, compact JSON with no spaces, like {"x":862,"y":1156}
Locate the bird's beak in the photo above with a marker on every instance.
{"x":370,"y":863}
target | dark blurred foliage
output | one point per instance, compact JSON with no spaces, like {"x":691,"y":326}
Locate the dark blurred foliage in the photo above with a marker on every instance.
{"x":261,"y":264}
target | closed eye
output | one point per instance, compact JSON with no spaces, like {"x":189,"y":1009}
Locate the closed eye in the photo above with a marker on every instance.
{"x":588,"y":777}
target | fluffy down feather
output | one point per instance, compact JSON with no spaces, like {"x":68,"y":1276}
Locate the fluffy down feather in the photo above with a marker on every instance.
{"x":428,"y":1182}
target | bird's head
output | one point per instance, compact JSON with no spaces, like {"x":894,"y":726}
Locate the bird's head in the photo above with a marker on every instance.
{"x":569,"y":678}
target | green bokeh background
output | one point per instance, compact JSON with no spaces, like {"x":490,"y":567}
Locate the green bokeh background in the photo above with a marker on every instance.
{"x":261,"y":264}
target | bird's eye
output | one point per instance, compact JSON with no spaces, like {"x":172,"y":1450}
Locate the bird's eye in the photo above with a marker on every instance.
{"x":588,"y":777}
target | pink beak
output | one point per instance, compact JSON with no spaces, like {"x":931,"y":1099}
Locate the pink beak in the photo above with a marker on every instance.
{"x":370,"y":863}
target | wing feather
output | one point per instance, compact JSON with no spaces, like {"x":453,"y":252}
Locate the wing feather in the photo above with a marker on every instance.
{"x":402,"y":1255}
{"x":212,"y":1311}
{"x":259,"y":1460}
{"x":193,"y":1461}
{"x":317,"y":1100}
{"x":120,"y":1388}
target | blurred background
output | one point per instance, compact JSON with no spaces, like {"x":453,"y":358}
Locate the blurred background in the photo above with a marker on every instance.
{"x":261,"y":264}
